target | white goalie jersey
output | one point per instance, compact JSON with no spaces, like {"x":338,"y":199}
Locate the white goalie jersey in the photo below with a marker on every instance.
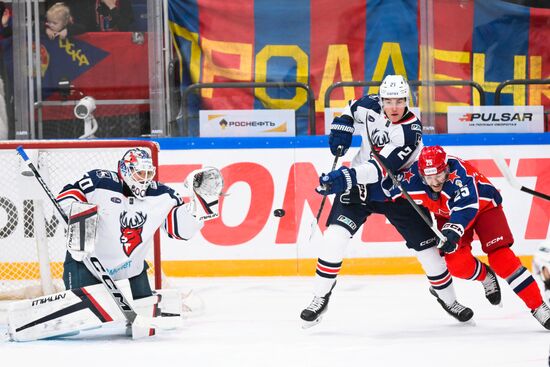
{"x":127,"y":225}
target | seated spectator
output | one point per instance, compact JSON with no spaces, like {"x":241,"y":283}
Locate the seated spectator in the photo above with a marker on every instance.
{"x":114,"y":15}
{"x":58,"y":19}
{"x":97,"y":15}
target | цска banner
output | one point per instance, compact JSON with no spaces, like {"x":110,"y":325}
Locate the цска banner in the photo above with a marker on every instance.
{"x":320,"y":42}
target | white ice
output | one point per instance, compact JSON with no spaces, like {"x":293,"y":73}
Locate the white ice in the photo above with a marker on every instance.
{"x":371,"y":321}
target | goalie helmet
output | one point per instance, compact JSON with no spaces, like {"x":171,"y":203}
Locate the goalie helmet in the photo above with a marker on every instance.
{"x":137,"y":170}
{"x":432,"y":160}
{"x":395,"y":86}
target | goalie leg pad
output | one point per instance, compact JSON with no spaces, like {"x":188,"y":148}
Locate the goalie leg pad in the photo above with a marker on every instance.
{"x":63,"y":313}
{"x":151,"y":316}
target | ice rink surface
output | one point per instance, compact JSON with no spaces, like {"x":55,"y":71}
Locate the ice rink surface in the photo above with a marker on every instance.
{"x":371,"y":321}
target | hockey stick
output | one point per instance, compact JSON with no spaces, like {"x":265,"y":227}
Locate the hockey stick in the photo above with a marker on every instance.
{"x":501,"y":164}
{"x":94,"y":263}
{"x":430,"y":223}
{"x":314,"y":224}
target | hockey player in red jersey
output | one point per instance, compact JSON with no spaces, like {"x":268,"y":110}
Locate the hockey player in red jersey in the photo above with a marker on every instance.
{"x":464,"y":201}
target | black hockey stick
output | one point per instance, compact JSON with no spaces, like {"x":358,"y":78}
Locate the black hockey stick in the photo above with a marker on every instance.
{"x":94,"y":263}
{"x":428,"y":221}
{"x":501,"y":164}
{"x":318,"y":216}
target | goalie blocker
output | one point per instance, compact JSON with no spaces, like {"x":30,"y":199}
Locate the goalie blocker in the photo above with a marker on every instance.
{"x":69,"y":312}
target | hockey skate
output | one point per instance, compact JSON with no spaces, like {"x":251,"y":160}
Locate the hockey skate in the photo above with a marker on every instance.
{"x":456,"y":310}
{"x":492,"y":288}
{"x":542,"y":314}
{"x":313,"y":314}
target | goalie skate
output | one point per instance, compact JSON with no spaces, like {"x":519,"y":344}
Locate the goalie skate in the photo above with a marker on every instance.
{"x":492,"y":288}
{"x":542,"y":314}
{"x":456,"y":310}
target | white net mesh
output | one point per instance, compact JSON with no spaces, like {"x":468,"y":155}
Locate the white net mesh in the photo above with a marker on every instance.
{"x":30,"y":229}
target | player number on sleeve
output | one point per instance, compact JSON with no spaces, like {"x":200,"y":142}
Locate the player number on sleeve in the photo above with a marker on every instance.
{"x":85,"y":183}
{"x":404,"y":153}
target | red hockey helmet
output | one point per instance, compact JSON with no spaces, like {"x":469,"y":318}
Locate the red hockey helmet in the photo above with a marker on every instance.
{"x":432,"y":161}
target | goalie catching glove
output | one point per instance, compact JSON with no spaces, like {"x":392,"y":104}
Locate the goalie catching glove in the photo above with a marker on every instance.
{"x":206,"y":185}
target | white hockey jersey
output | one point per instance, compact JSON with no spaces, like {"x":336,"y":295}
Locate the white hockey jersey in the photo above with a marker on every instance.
{"x":127,"y":225}
{"x":398,"y":143}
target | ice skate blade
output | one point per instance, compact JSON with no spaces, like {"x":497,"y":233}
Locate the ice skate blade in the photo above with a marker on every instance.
{"x":308,"y":324}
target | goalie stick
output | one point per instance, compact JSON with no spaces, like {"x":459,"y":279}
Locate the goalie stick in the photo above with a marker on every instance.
{"x":318,"y":216}
{"x":122,"y":303}
{"x":503,"y":167}
{"x":430,"y":223}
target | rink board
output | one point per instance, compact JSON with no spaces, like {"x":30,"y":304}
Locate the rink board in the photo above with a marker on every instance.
{"x":249,"y":240}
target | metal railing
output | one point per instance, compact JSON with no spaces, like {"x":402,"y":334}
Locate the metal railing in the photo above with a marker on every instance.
{"x":413,"y":83}
{"x":506,"y":83}
{"x":310,"y":100}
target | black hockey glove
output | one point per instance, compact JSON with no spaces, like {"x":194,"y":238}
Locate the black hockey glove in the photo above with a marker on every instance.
{"x":341,"y":132}
{"x":452,"y":232}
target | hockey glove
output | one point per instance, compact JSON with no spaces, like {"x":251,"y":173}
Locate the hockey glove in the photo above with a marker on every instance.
{"x":341,"y":132}
{"x":452,"y":232}
{"x":207,"y":187}
{"x":338,"y":181}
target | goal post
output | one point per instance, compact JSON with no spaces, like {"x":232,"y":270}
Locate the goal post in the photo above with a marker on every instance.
{"x":32,"y":237}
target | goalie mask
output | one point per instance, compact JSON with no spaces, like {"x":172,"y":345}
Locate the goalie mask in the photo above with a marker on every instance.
{"x":137,"y":170}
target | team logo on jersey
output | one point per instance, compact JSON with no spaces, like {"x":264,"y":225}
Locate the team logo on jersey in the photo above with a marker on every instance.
{"x":452,"y":176}
{"x":380,"y":138}
{"x":131,"y":228}
{"x":407,"y":176}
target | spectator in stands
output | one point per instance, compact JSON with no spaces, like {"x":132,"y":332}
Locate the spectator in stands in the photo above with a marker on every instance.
{"x":98,"y":16}
{"x":58,"y":21}
{"x":6,"y":24}
{"x":114,"y":15}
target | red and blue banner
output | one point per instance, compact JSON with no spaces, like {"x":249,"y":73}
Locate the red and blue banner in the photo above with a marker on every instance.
{"x":320,"y":42}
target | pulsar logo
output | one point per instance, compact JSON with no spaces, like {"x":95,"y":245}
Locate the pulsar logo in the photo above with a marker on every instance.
{"x":131,"y":229}
{"x":496,"y":117}
{"x":380,"y":138}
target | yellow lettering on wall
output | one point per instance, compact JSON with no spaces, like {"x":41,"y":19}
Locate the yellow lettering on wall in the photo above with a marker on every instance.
{"x":302,"y":71}
{"x":478,"y":71}
{"x":457,"y":57}
{"x":518,"y":91}
{"x":535,"y":90}
{"x":337,"y":56}
{"x":389,"y":51}
{"x":210,"y":70}
{"x":193,"y":37}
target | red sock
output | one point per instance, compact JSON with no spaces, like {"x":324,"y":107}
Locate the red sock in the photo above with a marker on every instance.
{"x":462,"y":264}
{"x":508,"y":266}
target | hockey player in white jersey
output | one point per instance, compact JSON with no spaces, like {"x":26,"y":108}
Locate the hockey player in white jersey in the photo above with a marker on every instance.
{"x":123,"y":210}
{"x":541,"y":268}
{"x":396,"y":133}
{"x":131,"y":207}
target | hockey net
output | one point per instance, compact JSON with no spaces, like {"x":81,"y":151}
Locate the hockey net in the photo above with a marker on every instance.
{"x":32,"y":236}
